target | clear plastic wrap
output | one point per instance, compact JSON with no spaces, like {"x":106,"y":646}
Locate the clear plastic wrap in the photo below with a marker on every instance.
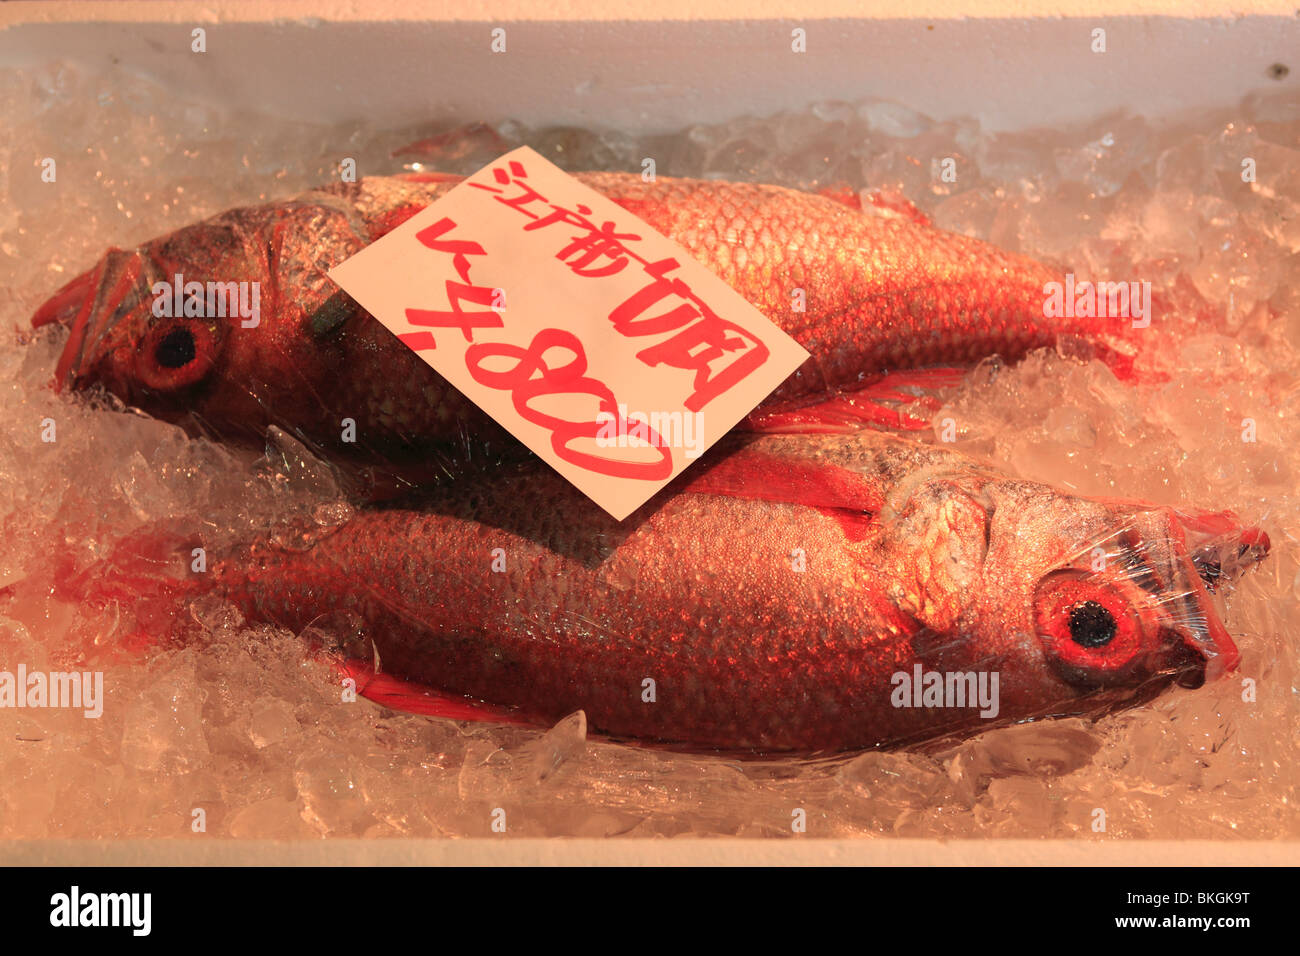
{"x":799,"y":594}
{"x":782,"y":597}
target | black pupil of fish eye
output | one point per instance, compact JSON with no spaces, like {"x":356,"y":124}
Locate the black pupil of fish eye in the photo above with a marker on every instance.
{"x":176,"y":349}
{"x":1091,"y":625}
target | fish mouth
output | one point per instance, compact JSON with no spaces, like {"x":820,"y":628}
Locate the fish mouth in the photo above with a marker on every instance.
{"x":1192,"y":555}
{"x":91,"y":306}
{"x":1221,"y":548}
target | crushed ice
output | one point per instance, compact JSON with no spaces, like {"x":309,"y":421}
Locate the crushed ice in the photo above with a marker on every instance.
{"x":244,"y":730}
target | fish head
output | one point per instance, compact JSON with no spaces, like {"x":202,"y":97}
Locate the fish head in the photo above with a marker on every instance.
{"x":209,"y":319}
{"x":1065,"y":596}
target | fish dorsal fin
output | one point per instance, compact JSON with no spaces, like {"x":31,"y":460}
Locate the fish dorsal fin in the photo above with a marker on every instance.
{"x":880,"y":402}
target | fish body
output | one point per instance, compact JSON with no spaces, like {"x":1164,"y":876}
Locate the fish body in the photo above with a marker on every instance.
{"x":796,"y":595}
{"x":878,"y":292}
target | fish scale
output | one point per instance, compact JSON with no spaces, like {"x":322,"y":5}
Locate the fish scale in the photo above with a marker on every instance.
{"x":883,"y":293}
{"x":778,"y":590}
{"x":907,"y":555}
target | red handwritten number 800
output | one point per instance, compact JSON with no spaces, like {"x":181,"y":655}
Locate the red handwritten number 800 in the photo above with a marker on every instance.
{"x":569,"y":378}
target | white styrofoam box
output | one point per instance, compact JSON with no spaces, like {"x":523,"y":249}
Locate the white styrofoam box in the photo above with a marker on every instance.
{"x":650,"y":67}
{"x":658,"y":66}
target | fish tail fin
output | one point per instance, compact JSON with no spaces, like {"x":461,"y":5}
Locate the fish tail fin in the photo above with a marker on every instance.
{"x":139,"y":574}
{"x":467,"y":139}
{"x":1120,"y":358}
{"x":892,"y":204}
{"x":884,"y":203}
{"x":842,"y":193}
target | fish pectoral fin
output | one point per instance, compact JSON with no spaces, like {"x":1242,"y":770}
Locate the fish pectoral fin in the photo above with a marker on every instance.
{"x":756,"y":475}
{"x":412,"y":697}
{"x":880,"y":402}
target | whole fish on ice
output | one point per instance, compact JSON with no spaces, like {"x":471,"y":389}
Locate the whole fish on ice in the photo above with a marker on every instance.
{"x":795,"y":595}
{"x":883,"y":293}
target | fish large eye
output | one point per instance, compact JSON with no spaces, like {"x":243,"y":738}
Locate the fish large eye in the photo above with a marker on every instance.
{"x":175,"y":353}
{"x":1090,"y":629}
{"x":175,"y":349}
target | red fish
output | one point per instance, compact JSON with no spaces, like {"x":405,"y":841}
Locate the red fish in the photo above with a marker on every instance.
{"x":801,"y":594}
{"x":883,"y":292}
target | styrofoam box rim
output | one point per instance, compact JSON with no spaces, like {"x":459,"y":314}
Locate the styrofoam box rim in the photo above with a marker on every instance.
{"x":1016,"y":64}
